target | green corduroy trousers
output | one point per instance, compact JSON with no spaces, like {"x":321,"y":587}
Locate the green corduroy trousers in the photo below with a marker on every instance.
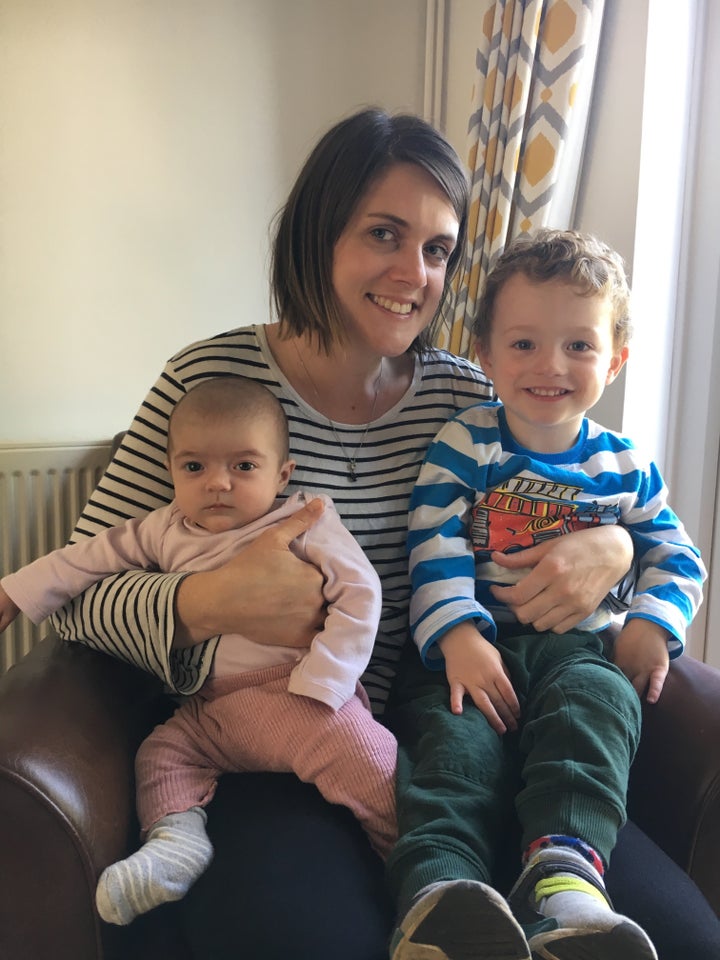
{"x":462,"y":788}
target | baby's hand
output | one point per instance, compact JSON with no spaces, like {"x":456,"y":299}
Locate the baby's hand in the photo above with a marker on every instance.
{"x":474,"y":666}
{"x":8,"y":610}
{"x":641,"y":653}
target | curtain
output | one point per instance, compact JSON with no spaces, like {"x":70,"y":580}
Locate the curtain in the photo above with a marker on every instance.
{"x":535,"y":67}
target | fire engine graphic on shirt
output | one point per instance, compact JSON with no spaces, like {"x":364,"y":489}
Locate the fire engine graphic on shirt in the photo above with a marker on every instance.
{"x":527,"y":511}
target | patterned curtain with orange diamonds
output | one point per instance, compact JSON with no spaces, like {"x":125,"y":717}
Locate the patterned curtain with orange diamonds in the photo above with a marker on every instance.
{"x":535,"y":68}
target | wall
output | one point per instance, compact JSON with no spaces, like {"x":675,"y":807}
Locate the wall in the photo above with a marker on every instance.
{"x":146,"y":146}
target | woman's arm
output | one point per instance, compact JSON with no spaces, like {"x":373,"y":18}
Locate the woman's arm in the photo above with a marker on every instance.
{"x":570,"y":576}
{"x":138,"y":617}
{"x":265,"y":592}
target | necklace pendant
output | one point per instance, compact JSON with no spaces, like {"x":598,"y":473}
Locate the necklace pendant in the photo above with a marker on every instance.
{"x":351,"y":471}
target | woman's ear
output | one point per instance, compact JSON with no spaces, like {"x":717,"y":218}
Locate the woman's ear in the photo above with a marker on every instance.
{"x":616,"y":364}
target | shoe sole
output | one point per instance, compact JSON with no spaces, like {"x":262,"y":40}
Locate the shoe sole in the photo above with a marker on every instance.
{"x":624,"y":942}
{"x":465,"y":921}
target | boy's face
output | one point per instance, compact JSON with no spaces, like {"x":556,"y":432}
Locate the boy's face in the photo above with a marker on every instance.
{"x":227,"y":471}
{"x":550,"y":356}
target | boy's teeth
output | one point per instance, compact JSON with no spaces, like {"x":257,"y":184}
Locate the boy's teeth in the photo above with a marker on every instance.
{"x":392,"y":305}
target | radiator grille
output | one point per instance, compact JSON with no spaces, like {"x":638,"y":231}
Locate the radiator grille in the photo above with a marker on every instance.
{"x":43,"y":490}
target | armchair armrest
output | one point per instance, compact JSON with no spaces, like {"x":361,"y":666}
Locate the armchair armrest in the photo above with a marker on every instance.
{"x":674,"y":791}
{"x":70,"y":722}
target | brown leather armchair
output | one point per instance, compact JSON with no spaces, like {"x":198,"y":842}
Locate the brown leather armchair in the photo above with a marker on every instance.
{"x":71,"y":720}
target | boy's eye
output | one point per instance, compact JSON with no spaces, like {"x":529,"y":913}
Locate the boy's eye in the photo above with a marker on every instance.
{"x":523,"y":345}
{"x":580,"y":346}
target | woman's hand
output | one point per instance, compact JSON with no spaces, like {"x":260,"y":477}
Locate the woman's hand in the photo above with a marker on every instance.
{"x":569,"y":578}
{"x":265,"y":592}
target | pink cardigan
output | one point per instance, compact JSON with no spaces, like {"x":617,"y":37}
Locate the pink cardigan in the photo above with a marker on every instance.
{"x":328,"y":671}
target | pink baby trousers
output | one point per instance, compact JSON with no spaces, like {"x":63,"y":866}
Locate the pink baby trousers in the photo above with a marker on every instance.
{"x":249,"y":723}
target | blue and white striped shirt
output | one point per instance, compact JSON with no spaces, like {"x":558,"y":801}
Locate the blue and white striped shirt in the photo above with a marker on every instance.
{"x":479,"y":491}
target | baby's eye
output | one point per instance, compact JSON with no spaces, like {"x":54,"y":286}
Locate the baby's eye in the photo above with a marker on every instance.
{"x":523,"y":345}
{"x":192,"y":466}
{"x":245,"y":465}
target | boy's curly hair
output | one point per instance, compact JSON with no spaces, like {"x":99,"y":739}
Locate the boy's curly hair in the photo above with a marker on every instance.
{"x":579,"y":259}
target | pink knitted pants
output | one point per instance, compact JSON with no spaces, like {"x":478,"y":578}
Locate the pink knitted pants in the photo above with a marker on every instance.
{"x":250,"y":723}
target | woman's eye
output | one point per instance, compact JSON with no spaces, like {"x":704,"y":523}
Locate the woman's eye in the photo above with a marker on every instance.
{"x":438,"y":252}
{"x":382,"y":233}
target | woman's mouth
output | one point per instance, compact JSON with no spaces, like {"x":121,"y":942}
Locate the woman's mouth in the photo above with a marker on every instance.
{"x":394,"y":306}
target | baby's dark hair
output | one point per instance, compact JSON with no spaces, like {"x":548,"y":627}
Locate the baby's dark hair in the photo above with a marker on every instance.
{"x":580,"y":259}
{"x":233,"y":396}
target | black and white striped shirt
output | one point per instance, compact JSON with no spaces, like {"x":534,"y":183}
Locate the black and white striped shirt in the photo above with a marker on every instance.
{"x":131,"y":615}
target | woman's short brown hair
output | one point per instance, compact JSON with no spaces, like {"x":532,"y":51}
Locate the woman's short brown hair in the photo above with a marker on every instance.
{"x":335,"y":177}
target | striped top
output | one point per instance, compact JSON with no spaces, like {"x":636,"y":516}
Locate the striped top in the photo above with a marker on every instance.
{"x":480,"y":491}
{"x":131,"y":615}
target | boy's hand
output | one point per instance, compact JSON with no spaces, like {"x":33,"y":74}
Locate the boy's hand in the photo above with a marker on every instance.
{"x":8,"y":610}
{"x":641,"y":653}
{"x":474,"y":667}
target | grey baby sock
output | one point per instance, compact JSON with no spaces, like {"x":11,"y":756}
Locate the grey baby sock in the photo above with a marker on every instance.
{"x":176,"y":852}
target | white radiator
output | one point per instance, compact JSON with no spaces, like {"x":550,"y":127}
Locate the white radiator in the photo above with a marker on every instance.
{"x":43,"y":490}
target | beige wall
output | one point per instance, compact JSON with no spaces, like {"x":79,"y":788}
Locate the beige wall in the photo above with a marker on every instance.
{"x":145,"y":147}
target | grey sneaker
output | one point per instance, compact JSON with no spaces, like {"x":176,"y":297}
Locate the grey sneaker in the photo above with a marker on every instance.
{"x":459,"y":920}
{"x":626,"y":941}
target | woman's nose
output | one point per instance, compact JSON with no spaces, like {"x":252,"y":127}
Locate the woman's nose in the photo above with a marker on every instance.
{"x":409,"y":266}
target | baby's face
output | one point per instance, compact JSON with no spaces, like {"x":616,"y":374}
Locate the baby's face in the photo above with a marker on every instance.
{"x":226,"y":472}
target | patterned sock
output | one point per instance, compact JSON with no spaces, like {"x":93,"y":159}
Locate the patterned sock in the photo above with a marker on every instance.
{"x":177,"y":851}
{"x":561,"y":883}
{"x":574,"y":892}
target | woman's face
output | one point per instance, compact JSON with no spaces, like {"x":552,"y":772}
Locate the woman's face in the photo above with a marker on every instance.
{"x":390,"y":262}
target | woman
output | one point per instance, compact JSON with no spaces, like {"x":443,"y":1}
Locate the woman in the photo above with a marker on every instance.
{"x":364,"y":253}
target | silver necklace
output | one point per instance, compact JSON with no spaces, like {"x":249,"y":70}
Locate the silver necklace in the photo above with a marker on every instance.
{"x":351,"y":460}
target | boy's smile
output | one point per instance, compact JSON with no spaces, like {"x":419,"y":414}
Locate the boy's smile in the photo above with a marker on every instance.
{"x":550,"y":355}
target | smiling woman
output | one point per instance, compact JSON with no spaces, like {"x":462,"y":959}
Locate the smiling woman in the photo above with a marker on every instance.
{"x":389,"y":273}
{"x":377,"y":398}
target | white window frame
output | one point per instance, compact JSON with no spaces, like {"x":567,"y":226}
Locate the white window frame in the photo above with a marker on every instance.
{"x":672,"y":397}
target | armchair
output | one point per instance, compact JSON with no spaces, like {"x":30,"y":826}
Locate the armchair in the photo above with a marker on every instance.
{"x":71,"y":720}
